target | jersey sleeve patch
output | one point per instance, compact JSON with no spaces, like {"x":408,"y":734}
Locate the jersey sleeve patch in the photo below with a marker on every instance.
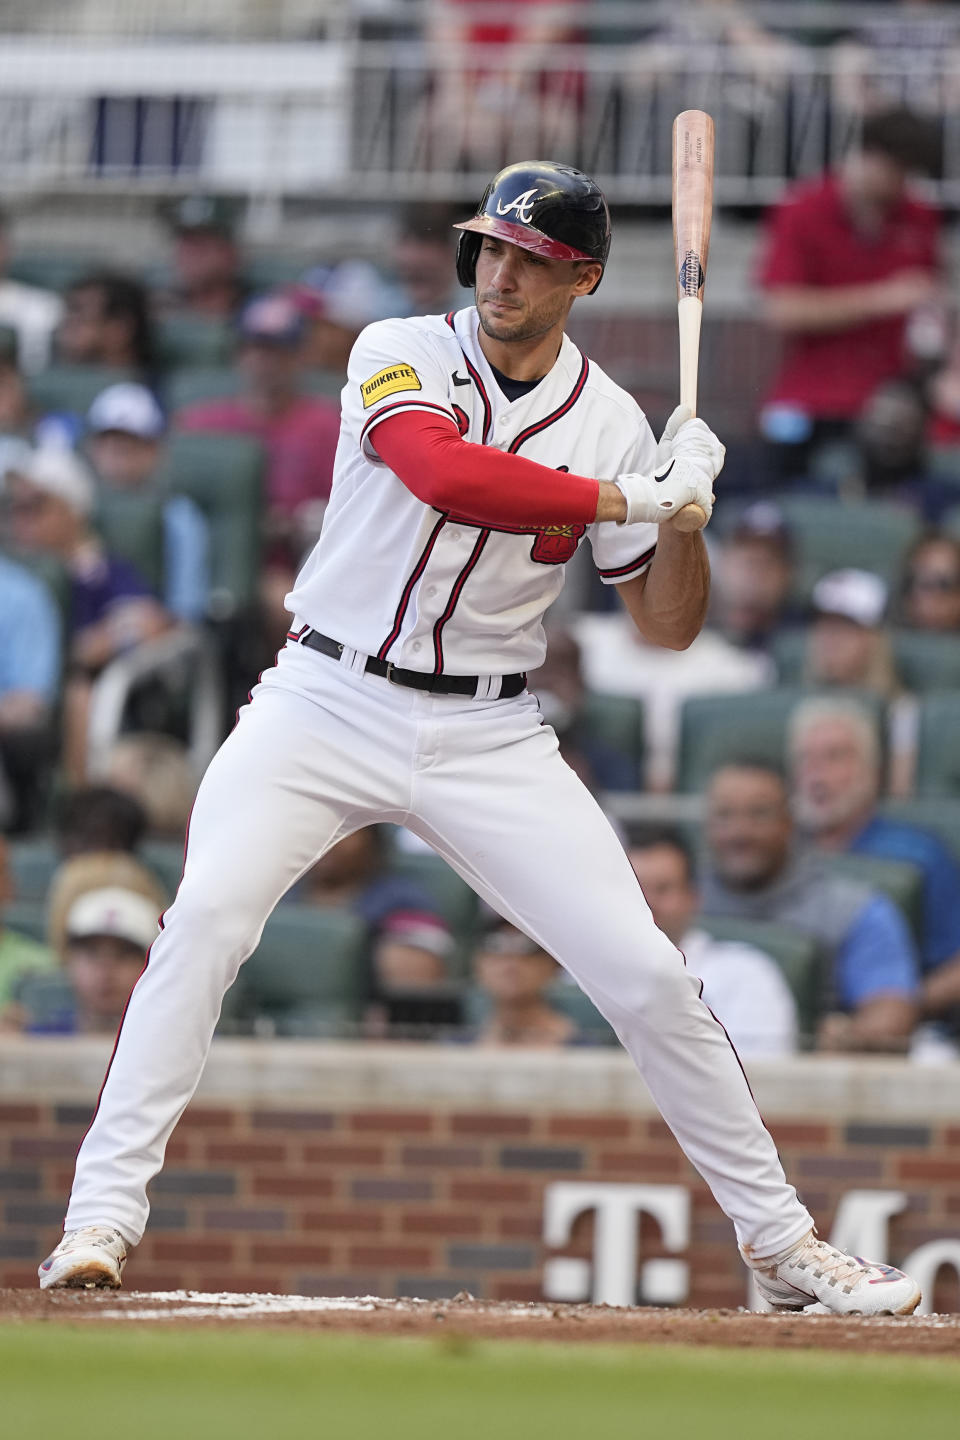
{"x":389,"y":382}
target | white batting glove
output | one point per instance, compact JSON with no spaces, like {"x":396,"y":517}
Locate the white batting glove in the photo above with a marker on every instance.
{"x":689,"y":458}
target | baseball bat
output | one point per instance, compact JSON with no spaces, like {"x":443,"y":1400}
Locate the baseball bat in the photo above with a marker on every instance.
{"x":692,"y":213}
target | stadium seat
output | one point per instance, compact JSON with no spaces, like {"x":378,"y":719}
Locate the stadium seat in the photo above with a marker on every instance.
{"x":165,"y":859}
{"x":308,"y":974}
{"x":926,"y":660}
{"x":185,"y":340}
{"x":789,"y":651}
{"x":943,"y":461}
{"x":799,"y":958}
{"x":938,"y":747}
{"x":223,"y":475}
{"x":941,"y":816}
{"x":53,"y":270}
{"x":898,"y":879}
{"x":718,"y":729}
{"x":132,"y":526}
{"x":617,"y":721}
{"x":271,"y":271}
{"x":26,"y":917}
{"x":33,"y":860}
{"x":72,"y":389}
{"x":191,"y":385}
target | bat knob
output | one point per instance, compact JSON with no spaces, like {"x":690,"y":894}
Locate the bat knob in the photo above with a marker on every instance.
{"x":689,"y":519}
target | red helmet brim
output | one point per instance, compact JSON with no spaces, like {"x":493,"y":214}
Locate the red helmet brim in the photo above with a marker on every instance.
{"x":525,"y":236}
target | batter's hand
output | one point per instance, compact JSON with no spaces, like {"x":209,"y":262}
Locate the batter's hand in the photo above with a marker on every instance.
{"x":689,"y":457}
{"x":682,"y":435}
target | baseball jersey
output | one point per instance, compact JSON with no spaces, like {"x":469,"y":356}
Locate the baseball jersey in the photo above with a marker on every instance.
{"x":430,"y":590}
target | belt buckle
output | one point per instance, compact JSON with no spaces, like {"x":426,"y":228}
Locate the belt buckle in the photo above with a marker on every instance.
{"x":388,"y":673}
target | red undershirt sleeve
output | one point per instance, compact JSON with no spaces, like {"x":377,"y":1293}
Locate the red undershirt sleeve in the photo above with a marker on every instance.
{"x":478,"y":482}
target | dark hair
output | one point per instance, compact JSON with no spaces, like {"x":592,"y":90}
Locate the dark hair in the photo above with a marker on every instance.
{"x":125,"y":298}
{"x":911,"y":140}
{"x":97,"y":817}
{"x":775,"y":768}
{"x":649,"y":835}
{"x":930,"y":537}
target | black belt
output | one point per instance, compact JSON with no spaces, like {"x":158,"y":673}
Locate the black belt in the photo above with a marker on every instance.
{"x":510,"y":685}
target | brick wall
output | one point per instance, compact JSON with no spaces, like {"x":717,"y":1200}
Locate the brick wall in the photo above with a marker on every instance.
{"x":429,"y":1199}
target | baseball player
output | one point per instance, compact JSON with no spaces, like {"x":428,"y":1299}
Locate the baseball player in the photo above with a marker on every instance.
{"x":477,"y":451}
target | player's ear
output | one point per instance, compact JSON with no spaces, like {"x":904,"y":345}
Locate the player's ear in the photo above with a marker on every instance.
{"x":587,"y":276}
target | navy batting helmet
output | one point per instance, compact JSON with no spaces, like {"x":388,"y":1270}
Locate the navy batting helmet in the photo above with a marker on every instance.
{"x":550,"y":209}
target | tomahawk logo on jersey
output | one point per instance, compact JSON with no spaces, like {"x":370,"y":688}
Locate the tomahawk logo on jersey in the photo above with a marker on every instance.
{"x":393,"y":577}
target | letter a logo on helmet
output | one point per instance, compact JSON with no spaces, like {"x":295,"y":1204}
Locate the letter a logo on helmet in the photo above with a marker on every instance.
{"x":549,"y":209}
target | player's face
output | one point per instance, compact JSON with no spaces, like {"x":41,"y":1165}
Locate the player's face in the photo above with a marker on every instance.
{"x":748,"y":826}
{"x":521,"y":296}
{"x":833,"y":779}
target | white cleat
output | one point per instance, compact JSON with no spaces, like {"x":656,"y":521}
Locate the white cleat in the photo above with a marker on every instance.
{"x":87,"y":1259}
{"x":843,"y":1284}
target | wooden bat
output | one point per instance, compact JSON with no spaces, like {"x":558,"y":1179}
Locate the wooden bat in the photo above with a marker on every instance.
{"x":692,"y":213}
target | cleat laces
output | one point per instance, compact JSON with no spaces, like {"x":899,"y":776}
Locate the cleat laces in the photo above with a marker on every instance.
{"x":827,"y":1263}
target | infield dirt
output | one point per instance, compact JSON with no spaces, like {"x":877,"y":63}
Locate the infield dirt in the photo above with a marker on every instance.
{"x":475,"y":1319}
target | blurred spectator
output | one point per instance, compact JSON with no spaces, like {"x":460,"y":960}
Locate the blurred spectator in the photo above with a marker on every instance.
{"x":424,"y":261}
{"x":97,"y":870}
{"x":107,"y":322}
{"x":847,"y":260}
{"x":206,"y":259}
{"x":355,"y":875}
{"x":127,"y":446}
{"x":893,"y":460}
{"x":561,"y":693}
{"x":108,"y":932}
{"x":97,"y":818}
{"x":33,"y":314}
{"x":617,"y":660}
{"x":15,"y":412}
{"x":111,"y":607}
{"x":932,"y":584}
{"x":18,"y":953}
{"x":513,"y":974}
{"x":299,"y":432}
{"x":337,"y":302}
{"x":753,"y":578}
{"x":849,"y":647}
{"x":412,"y":992}
{"x":29,"y":687}
{"x":837,"y":770}
{"x":154,"y":771}
{"x":742,"y":986}
{"x":755,"y":873}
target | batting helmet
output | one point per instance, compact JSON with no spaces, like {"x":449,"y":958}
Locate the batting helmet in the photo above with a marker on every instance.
{"x":550,"y":209}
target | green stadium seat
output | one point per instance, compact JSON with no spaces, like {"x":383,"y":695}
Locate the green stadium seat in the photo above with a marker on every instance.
{"x":27,"y":917}
{"x":789,"y":651}
{"x":53,"y":270}
{"x":185,"y":340}
{"x":192,"y":385}
{"x":938,"y":747}
{"x":73,"y":388}
{"x":944,"y":462}
{"x":898,"y":879}
{"x":33,"y":860}
{"x":308,"y":974}
{"x":165,"y":859}
{"x":617,"y":721}
{"x":223,"y":475}
{"x":271,"y":271}
{"x":833,"y":535}
{"x":131,"y":524}
{"x":926,"y":660}
{"x":799,"y":958}
{"x":940,"y":816}
{"x":718,"y":729}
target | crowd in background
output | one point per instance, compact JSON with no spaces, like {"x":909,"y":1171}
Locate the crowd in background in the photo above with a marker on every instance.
{"x":817,"y":914}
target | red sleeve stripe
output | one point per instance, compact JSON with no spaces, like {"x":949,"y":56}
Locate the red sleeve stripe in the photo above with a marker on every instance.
{"x":555,"y":415}
{"x":643,"y":559}
{"x":455,"y":594}
{"x":415,"y":574}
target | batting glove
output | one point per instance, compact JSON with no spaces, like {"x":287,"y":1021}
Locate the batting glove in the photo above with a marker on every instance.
{"x":692,"y":439}
{"x":689,"y":458}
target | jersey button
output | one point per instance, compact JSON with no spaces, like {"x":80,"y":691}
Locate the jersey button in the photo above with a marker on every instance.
{"x":454,"y":534}
{"x":416,"y":647}
{"x":431,"y":589}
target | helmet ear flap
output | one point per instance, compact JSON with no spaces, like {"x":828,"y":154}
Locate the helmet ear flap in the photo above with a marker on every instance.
{"x":468,"y":249}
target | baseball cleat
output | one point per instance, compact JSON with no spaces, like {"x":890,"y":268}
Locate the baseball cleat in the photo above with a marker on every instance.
{"x":843,"y":1284}
{"x":87,"y":1259}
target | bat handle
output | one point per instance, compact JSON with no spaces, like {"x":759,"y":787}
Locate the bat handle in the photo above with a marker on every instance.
{"x":690,"y":311}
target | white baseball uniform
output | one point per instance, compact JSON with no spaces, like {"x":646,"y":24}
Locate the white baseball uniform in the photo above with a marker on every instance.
{"x":326,"y":747}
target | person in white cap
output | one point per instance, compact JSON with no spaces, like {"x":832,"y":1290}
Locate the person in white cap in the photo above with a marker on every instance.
{"x":126,"y":443}
{"x":108,"y":934}
{"x":50,"y":498}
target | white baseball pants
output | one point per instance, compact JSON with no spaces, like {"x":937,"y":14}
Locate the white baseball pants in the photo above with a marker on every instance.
{"x":323,"y":750}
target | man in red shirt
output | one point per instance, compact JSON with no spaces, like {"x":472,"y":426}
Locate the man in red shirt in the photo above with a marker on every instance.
{"x":847,"y":260}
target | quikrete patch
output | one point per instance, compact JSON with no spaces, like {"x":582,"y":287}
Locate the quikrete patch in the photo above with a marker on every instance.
{"x":388,"y":382}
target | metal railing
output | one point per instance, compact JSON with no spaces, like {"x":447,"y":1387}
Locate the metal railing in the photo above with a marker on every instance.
{"x":375,"y":121}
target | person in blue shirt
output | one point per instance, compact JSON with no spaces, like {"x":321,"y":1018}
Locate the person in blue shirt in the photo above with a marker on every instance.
{"x":756,"y":873}
{"x":837,"y":782}
{"x":29,"y":684}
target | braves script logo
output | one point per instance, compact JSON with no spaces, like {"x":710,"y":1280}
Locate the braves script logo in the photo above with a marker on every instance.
{"x":523,"y":205}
